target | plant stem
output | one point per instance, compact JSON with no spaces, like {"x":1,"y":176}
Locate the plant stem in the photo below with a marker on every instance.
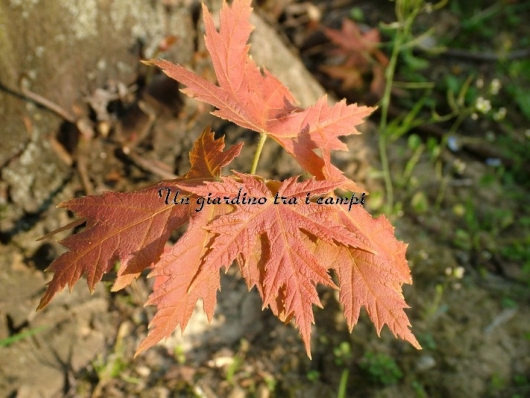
{"x":343,"y":383}
{"x":406,"y":13}
{"x":385,"y":103}
{"x":257,"y":154}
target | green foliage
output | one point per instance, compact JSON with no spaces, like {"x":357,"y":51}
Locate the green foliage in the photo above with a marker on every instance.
{"x":519,"y":251}
{"x":233,"y":368}
{"x":402,"y":44}
{"x":357,"y":14}
{"x":179,"y":354}
{"x":381,"y":369}
{"x":497,"y":383}
{"x":237,"y":362}
{"x":342,"y":353}
{"x":519,"y":84}
{"x":478,"y":21}
{"x":20,"y":336}
{"x":313,"y":375}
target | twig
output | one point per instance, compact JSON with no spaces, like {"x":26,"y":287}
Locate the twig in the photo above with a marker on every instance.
{"x":147,"y":165}
{"x":485,"y":56}
{"x":48,"y":104}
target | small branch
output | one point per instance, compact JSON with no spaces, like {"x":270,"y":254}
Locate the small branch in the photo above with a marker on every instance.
{"x":147,"y":165}
{"x":82,"y":168}
{"x":40,"y":100}
{"x":487,"y":56}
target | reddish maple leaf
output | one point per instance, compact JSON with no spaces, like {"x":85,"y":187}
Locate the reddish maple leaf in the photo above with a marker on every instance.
{"x":289,"y":270}
{"x":283,"y":242}
{"x":284,"y":250}
{"x":180,"y":283}
{"x":130,"y":227}
{"x":369,"y":279}
{"x":256,"y":100}
{"x":360,"y":48}
{"x":361,"y":55}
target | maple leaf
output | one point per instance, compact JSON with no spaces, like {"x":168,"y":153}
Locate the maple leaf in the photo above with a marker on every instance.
{"x":368,"y":279}
{"x":173,"y":292}
{"x":283,"y":242}
{"x":361,"y":55}
{"x":289,"y":271}
{"x":256,"y":100}
{"x":360,"y":48}
{"x":130,"y":227}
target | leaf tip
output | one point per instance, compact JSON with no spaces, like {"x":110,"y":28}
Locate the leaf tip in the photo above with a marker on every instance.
{"x":145,"y":344}
{"x":308,"y":350}
{"x":45,"y":300}
{"x":148,"y":62}
{"x":138,"y":351}
{"x":412,"y":340}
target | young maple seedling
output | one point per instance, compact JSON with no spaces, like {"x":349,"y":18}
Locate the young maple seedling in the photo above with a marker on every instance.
{"x":362,"y":56}
{"x":284,"y":248}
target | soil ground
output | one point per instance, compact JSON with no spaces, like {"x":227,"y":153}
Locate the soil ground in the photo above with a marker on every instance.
{"x":463,"y":211}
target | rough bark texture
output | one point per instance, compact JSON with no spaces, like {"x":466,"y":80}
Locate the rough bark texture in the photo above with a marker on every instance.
{"x":64,"y":50}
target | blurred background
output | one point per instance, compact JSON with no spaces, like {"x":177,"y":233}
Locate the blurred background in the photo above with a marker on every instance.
{"x":446,"y":158}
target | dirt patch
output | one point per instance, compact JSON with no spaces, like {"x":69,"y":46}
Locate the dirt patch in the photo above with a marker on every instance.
{"x":470,"y":295}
